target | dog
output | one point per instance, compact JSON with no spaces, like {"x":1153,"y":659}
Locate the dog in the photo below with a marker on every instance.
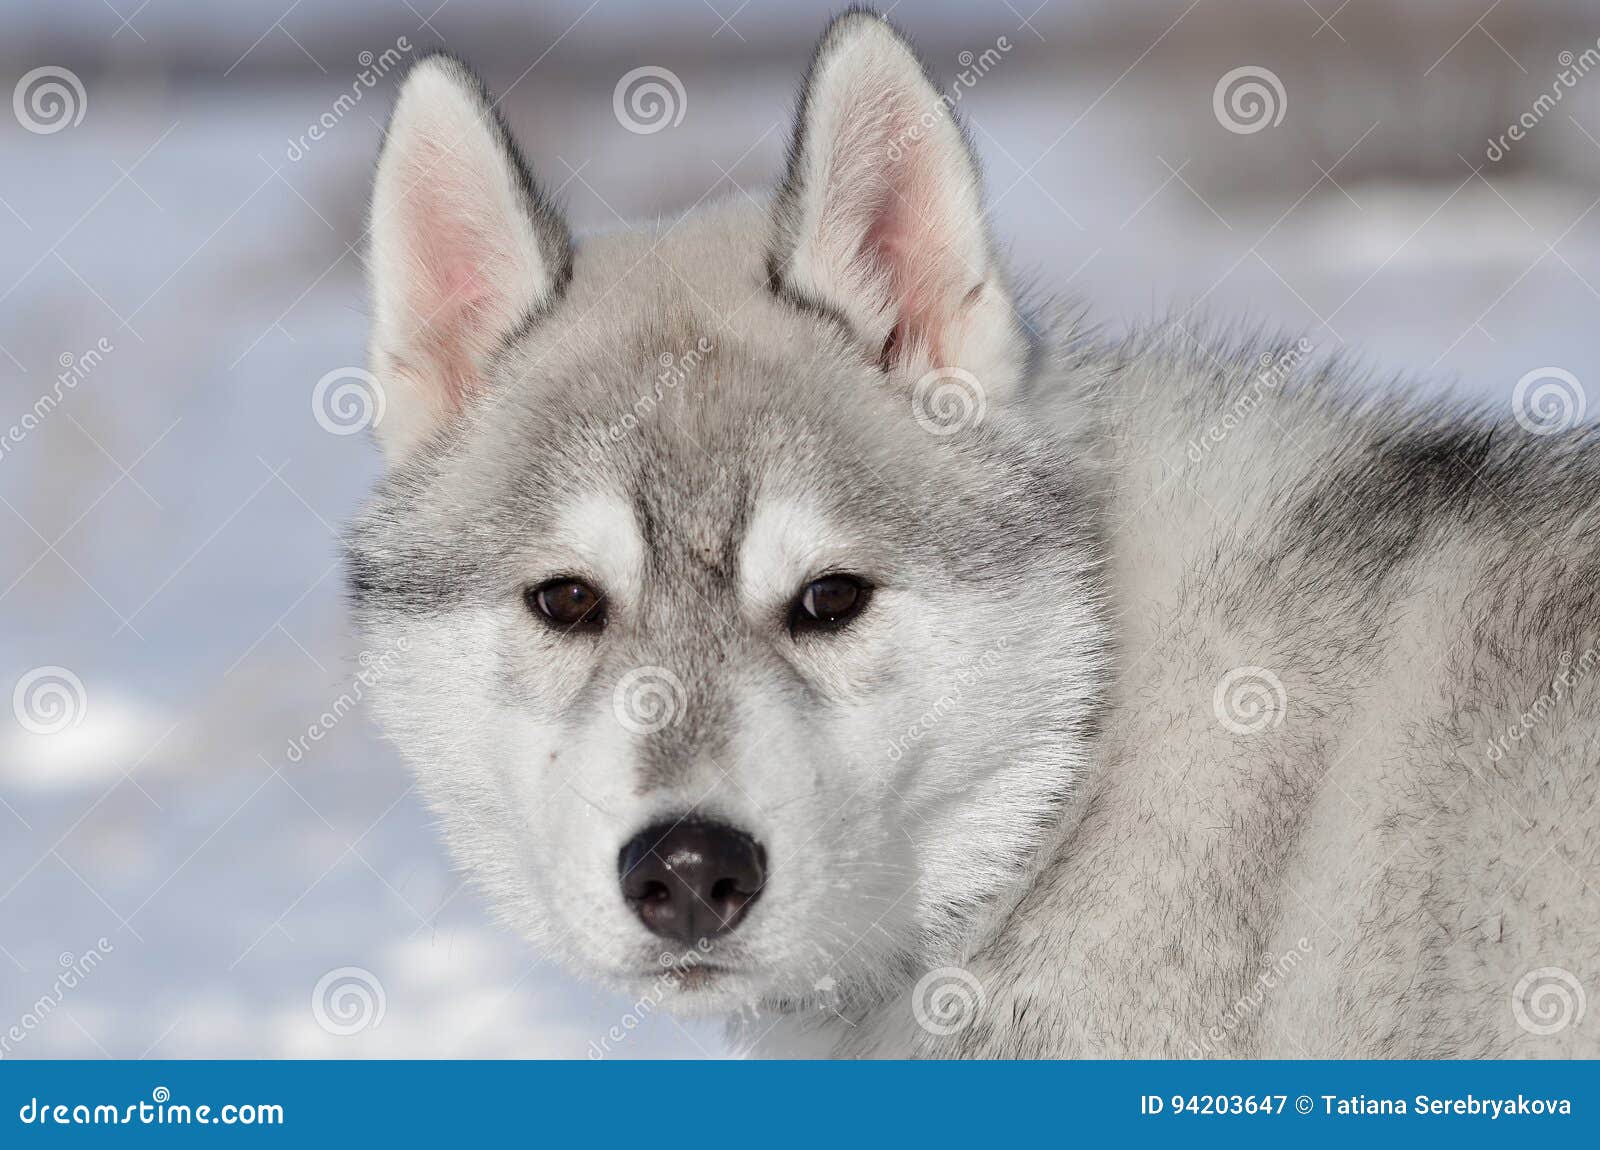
{"x":788,"y":621}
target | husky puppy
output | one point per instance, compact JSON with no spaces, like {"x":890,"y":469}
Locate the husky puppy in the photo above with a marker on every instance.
{"x":786,"y":623}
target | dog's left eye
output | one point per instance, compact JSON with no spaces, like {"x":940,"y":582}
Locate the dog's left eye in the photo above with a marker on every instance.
{"x":830,"y":601}
{"x":568,"y":603}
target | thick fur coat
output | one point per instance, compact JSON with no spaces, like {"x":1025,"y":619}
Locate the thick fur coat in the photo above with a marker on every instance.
{"x":1210,"y":700}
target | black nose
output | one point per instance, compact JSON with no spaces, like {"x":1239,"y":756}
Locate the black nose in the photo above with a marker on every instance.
{"x":692,"y":880}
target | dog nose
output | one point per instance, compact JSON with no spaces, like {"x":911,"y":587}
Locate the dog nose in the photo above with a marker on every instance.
{"x":691,"y":880}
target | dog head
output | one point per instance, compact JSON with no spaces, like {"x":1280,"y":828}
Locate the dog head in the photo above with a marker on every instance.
{"x":739,"y":627}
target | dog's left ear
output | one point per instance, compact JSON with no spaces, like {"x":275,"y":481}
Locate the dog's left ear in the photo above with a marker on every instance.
{"x":880,"y":216}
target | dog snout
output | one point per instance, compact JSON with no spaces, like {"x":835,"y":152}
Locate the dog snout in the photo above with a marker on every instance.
{"x":692,"y":880}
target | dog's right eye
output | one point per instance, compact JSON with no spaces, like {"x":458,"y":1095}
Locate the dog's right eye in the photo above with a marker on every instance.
{"x":569,"y":603}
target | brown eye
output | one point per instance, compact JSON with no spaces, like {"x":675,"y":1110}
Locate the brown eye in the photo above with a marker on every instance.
{"x":830,"y":601}
{"x":569,"y":603}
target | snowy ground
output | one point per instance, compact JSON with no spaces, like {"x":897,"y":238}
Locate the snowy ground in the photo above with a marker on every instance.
{"x":168,"y":531}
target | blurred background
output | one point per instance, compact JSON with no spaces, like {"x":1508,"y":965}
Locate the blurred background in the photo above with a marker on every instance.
{"x":185,"y":869}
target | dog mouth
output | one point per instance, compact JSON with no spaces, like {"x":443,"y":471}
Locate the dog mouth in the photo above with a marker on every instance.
{"x":692,"y":978}
{"x":688,"y":977}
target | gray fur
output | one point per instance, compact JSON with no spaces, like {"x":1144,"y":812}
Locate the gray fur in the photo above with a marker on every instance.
{"x":1080,"y":832}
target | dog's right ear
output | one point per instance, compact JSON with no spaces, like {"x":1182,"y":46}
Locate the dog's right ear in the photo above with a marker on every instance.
{"x":464,"y":248}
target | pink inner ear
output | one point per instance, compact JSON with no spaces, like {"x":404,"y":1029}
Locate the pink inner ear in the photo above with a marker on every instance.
{"x":450,"y":299}
{"x":910,"y":239}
